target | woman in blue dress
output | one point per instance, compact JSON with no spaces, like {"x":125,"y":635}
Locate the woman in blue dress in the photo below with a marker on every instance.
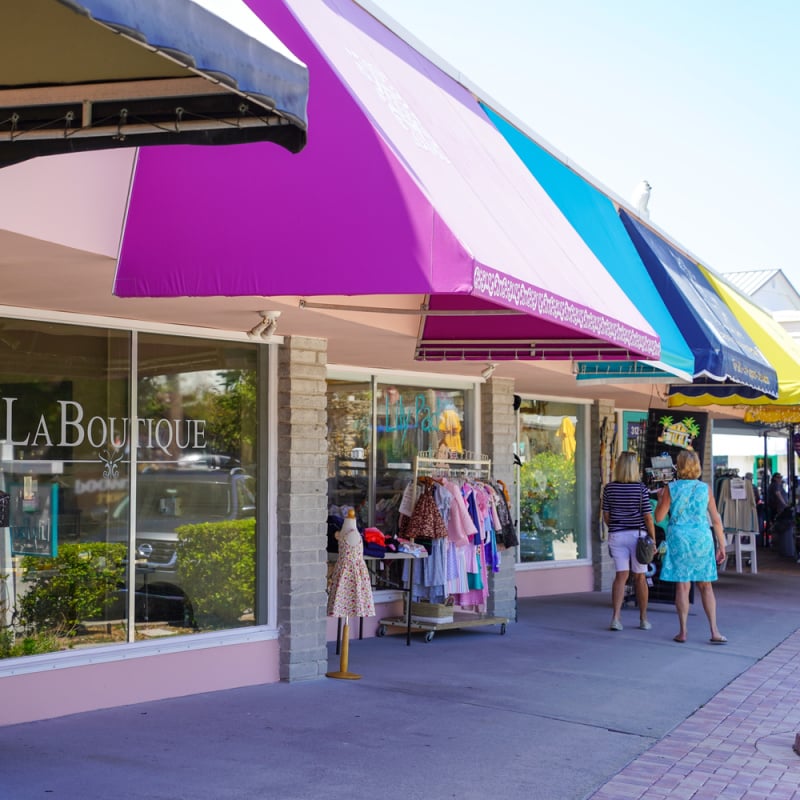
{"x":691,"y":554}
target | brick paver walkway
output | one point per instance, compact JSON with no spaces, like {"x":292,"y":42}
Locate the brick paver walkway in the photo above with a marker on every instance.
{"x":739,"y":746}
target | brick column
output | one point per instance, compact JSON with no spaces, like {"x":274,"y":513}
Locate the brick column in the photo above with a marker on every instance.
{"x":603,"y":565}
{"x":498,"y":431}
{"x":302,"y":507}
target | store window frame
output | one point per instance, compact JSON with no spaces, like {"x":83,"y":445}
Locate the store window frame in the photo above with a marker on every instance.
{"x":376,"y":377}
{"x":265,"y":626}
{"x":373,"y":378}
{"x":584,"y":488}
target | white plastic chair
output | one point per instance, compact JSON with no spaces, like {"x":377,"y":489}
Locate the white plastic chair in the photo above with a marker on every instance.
{"x":738,"y":544}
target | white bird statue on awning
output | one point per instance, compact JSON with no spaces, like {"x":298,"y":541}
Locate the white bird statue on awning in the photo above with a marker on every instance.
{"x":641,"y":197}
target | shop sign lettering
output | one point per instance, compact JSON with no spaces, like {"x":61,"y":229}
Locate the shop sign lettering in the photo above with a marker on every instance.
{"x":400,"y":418}
{"x":109,"y":436}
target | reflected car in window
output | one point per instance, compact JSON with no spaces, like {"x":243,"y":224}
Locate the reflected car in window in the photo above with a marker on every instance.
{"x":166,"y":500}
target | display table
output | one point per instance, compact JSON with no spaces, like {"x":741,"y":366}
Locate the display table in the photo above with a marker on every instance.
{"x":407,"y":588}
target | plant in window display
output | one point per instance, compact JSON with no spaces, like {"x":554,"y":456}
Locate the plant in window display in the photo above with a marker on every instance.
{"x":547,"y":480}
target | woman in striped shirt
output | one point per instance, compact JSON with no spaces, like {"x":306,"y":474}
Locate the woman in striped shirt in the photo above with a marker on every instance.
{"x":626,"y":512}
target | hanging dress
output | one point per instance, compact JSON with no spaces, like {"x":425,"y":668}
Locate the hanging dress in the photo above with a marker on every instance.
{"x":450,"y":426}
{"x":351,"y":590}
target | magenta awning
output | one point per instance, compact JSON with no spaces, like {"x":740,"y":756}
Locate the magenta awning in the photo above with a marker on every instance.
{"x":406,"y":188}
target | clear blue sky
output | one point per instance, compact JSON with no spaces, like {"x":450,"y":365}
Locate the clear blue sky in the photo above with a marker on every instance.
{"x":699,"y":97}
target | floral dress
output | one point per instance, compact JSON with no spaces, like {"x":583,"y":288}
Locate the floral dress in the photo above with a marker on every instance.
{"x":350,"y":593}
{"x":690,"y":543}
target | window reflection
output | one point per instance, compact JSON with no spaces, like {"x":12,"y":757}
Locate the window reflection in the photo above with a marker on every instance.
{"x":549,"y":467}
{"x":65,"y":471}
{"x":196,"y":506}
{"x":407,"y":419}
{"x":63,"y":427}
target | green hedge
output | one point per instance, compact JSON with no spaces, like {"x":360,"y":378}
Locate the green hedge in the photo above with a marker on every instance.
{"x":217,"y":570}
{"x":73,"y":587}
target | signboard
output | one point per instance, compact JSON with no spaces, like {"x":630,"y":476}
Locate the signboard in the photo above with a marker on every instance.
{"x":33,"y":518}
{"x":634,"y":425}
{"x":670,"y":431}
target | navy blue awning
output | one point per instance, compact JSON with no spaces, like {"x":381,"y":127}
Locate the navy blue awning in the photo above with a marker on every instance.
{"x":722,"y":349}
{"x":94,"y":74}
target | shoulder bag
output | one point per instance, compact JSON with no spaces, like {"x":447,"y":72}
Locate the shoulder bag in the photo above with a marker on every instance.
{"x":645,"y":546}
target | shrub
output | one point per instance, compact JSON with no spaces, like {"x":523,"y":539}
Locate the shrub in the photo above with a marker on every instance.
{"x":72,"y":587}
{"x":217,"y":570}
{"x":12,"y":646}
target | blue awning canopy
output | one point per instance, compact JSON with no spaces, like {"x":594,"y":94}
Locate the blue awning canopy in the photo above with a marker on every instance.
{"x":94,"y":74}
{"x":595,"y":219}
{"x":722,"y":349}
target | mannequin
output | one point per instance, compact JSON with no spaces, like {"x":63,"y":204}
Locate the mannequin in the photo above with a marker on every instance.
{"x":349,"y":533}
{"x":351,"y":588}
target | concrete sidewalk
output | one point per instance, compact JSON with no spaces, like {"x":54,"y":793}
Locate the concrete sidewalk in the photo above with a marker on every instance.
{"x":558,"y":708}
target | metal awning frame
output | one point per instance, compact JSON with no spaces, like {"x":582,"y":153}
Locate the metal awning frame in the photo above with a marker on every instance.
{"x":124,"y":108}
{"x":479,"y":349}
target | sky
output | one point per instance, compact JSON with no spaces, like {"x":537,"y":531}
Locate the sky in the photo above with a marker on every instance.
{"x":701,"y":98}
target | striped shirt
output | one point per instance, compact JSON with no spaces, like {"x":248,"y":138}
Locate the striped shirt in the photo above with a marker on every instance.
{"x":626,"y":504}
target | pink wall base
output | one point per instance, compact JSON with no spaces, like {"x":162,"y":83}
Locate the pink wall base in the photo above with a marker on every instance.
{"x":71,"y":690}
{"x":562,"y":580}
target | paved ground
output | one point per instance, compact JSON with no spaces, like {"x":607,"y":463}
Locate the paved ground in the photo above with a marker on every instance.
{"x":558,"y":708}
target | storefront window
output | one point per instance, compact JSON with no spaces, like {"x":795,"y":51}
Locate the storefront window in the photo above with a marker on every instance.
{"x":410,"y":420}
{"x":66,"y":466}
{"x":196,"y":495}
{"x":550,"y":453}
{"x":372,"y":450}
{"x":63,"y":428}
{"x":349,"y":447}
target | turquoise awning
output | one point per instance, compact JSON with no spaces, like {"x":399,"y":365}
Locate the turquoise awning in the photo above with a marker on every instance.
{"x":595,"y":219}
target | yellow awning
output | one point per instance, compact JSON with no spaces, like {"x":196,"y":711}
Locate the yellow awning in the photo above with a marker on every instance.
{"x":775,"y":343}
{"x":773,"y":415}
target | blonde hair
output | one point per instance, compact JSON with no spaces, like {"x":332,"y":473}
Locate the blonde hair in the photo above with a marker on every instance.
{"x":688,"y":464}
{"x":627,"y":468}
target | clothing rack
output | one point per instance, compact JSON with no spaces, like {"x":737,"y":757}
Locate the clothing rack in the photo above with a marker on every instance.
{"x":448,"y":464}
{"x":428,"y":466}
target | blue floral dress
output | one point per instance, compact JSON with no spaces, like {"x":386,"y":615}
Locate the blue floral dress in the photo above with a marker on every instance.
{"x":690,"y":543}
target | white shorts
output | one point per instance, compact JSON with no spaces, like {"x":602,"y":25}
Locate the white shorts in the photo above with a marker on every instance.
{"x":622,"y":548}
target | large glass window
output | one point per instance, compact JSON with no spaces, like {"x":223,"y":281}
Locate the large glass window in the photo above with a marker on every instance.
{"x":196,"y":495}
{"x":373,"y":445}
{"x":72,"y":573}
{"x":410,"y":420}
{"x":550,"y":481}
{"x":63,"y":426}
{"x":349,"y":447}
